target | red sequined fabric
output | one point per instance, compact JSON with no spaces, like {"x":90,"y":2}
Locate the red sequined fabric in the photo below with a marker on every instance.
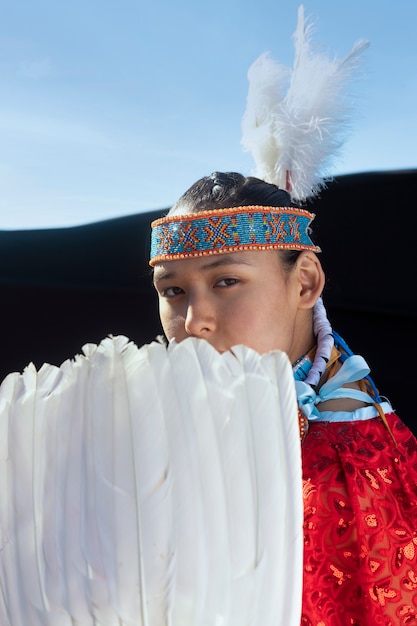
{"x":360,"y":503}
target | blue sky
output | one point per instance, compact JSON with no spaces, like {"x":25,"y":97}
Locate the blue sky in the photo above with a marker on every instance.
{"x":109,"y":108}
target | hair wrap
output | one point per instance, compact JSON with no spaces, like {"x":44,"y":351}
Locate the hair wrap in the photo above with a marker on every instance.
{"x":325,"y":343}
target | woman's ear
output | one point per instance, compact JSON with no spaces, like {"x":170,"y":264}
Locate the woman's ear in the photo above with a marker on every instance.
{"x":311,"y":278}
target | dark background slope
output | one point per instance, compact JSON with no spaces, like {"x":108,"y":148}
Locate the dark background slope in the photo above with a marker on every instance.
{"x":62,"y":288}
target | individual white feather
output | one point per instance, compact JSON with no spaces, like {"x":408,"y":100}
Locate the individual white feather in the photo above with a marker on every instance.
{"x":212,"y":595}
{"x":232,"y":422}
{"x":268,"y":81}
{"x":295,"y":138}
{"x":270,"y":388}
{"x":154,"y":496}
{"x":291,"y":535}
{"x":23,"y":576}
{"x":179,"y":378}
{"x":132,"y":482}
{"x":111,"y":484}
{"x":25,"y":444}
{"x":66,"y":568}
{"x":70,"y":581}
{"x":140,"y":454}
{"x":12,"y":611}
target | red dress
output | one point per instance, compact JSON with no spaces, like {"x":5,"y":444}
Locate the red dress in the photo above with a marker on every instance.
{"x":360,"y":499}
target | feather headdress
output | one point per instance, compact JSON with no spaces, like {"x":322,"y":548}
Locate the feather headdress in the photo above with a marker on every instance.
{"x":151,"y":487}
{"x":296,"y":120}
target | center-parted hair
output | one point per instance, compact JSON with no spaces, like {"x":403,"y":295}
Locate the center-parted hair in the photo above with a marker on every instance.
{"x":223,"y":190}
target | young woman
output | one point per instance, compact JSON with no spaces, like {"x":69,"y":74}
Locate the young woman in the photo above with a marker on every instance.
{"x":234,"y":264}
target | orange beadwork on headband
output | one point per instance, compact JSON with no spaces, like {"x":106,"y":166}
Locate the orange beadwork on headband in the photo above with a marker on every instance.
{"x":230,"y":230}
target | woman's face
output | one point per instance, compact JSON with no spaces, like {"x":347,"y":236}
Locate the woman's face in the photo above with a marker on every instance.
{"x":237,"y":298}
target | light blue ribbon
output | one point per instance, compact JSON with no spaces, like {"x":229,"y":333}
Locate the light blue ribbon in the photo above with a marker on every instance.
{"x":353,"y":369}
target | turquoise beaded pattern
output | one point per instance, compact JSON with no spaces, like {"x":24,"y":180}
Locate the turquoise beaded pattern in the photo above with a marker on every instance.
{"x":230,"y":230}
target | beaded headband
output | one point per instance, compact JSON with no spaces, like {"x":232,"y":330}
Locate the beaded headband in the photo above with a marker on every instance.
{"x":230,"y":230}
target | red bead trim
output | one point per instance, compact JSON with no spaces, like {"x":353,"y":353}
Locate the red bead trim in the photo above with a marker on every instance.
{"x":303,"y":424}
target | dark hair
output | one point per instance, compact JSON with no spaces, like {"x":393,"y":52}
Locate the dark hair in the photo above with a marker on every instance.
{"x":223,"y":190}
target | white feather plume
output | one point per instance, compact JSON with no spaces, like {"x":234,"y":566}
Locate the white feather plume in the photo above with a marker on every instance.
{"x":296,"y":120}
{"x":151,"y":487}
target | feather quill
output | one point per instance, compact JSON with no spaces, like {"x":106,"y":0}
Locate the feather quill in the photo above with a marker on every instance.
{"x":297,"y":120}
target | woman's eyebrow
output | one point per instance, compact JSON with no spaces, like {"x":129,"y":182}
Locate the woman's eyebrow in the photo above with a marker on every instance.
{"x":219,"y":262}
{"x":223,"y":260}
{"x":163,"y":275}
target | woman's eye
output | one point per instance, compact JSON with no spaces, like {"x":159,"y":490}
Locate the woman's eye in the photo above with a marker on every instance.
{"x":227,"y":282}
{"x":171,"y":292}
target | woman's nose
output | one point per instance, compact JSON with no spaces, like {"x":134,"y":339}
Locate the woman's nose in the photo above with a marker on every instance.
{"x":200,"y":318}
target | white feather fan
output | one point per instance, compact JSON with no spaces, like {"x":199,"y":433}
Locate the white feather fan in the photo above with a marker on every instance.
{"x":297,"y":120}
{"x":151,"y":487}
